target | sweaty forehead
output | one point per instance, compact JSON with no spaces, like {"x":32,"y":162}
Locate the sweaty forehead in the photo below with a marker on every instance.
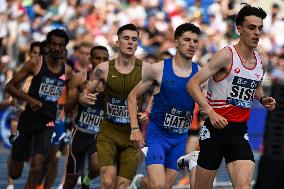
{"x":57,"y":39}
{"x":189,"y":34}
{"x":253,"y":20}
{"x":36,"y":48}
{"x":100,"y":53}
{"x":130,"y":33}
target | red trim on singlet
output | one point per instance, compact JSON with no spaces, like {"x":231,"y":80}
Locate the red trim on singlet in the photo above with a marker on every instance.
{"x":216,"y":105}
{"x":242,"y":60}
{"x":215,"y":100}
{"x":234,"y":113}
{"x":232,"y":62}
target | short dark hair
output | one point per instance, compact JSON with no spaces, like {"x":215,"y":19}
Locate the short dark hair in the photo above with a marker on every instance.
{"x":281,"y":56}
{"x":186,"y":27}
{"x":131,"y":27}
{"x":35,"y":44}
{"x":59,"y":33}
{"x":43,"y":47}
{"x":98,"y":48}
{"x":248,"y":10}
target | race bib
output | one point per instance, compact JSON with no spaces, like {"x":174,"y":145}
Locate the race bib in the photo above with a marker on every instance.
{"x":90,"y":119}
{"x":242,"y":92}
{"x":177,"y":121}
{"x":117,"y":111}
{"x":50,"y":89}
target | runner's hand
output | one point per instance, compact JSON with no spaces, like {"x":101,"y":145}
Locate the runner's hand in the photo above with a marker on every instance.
{"x":269,"y":103}
{"x":217,"y":121}
{"x":203,"y":114}
{"x":136,"y":137}
{"x":35,"y":104}
{"x":86,"y":98}
{"x":142,"y":118}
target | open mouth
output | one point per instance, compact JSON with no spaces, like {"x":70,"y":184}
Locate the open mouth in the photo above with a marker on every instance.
{"x":255,"y":39}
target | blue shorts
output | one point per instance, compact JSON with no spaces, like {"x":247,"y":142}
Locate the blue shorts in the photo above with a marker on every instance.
{"x":164,"y":147}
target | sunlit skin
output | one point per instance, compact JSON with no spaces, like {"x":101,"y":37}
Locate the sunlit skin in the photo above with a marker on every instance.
{"x":187,"y":44}
{"x":84,"y":55}
{"x":250,"y":31}
{"x":127,"y":42}
{"x":56,"y":47}
{"x":35,"y":52}
{"x":98,"y":56}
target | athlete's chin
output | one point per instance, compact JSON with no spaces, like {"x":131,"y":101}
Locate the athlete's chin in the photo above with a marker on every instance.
{"x":129,"y":53}
{"x":187,"y":56}
{"x":253,"y":46}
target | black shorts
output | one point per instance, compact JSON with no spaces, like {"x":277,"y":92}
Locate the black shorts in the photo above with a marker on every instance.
{"x":193,"y":132}
{"x":32,"y":126}
{"x":230,"y":142}
{"x":82,"y":144}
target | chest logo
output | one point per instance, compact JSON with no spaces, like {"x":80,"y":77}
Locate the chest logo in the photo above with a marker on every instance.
{"x":257,"y":75}
{"x":237,"y":70}
{"x":62,"y":77}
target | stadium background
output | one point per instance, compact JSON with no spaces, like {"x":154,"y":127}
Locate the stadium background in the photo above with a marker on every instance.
{"x":96,"y":21}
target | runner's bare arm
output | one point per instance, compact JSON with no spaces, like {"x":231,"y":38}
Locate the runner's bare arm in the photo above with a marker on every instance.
{"x":149,"y":72}
{"x":267,"y":101}
{"x":13,"y":86}
{"x":72,"y":93}
{"x":219,"y":62}
{"x":88,"y":95}
{"x":148,"y":79}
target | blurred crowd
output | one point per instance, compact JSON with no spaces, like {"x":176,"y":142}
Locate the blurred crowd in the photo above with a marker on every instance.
{"x":97,"y":21}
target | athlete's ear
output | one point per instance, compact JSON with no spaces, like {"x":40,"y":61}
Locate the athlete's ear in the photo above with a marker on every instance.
{"x":117,"y":43}
{"x":239,"y":29}
{"x":176,"y":42}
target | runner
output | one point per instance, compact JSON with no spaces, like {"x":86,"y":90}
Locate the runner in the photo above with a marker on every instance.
{"x":117,"y":156}
{"x":37,"y":120}
{"x":87,"y":124}
{"x":171,"y":113}
{"x":235,"y":74}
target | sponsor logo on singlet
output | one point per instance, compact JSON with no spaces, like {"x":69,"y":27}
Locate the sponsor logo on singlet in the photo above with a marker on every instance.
{"x":117,"y":111}
{"x":177,"y":121}
{"x":50,"y":89}
{"x":242,"y":92}
{"x":204,"y":133}
{"x":90,"y":119}
{"x":246,"y":137}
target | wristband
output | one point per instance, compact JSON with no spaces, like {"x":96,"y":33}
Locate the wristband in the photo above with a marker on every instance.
{"x":261,"y":99}
{"x":134,"y":128}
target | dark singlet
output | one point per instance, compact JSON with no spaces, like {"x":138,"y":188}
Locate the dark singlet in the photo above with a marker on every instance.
{"x":46,"y":87}
{"x":89,"y":118}
{"x":118,"y":86}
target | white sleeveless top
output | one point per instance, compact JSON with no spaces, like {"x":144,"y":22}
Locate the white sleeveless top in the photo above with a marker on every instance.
{"x":232,"y":96}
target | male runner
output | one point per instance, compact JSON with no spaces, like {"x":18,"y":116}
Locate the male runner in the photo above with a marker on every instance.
{"x":235,"y":74}
{"x":38,"y":118}
{"x":17,"y":108}
{"x":87,"y":124}
{"x":117,"y":156}
{"x":171,"y":113}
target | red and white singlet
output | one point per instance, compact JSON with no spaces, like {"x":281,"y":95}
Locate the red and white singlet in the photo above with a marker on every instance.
{"x":232,"y":96}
